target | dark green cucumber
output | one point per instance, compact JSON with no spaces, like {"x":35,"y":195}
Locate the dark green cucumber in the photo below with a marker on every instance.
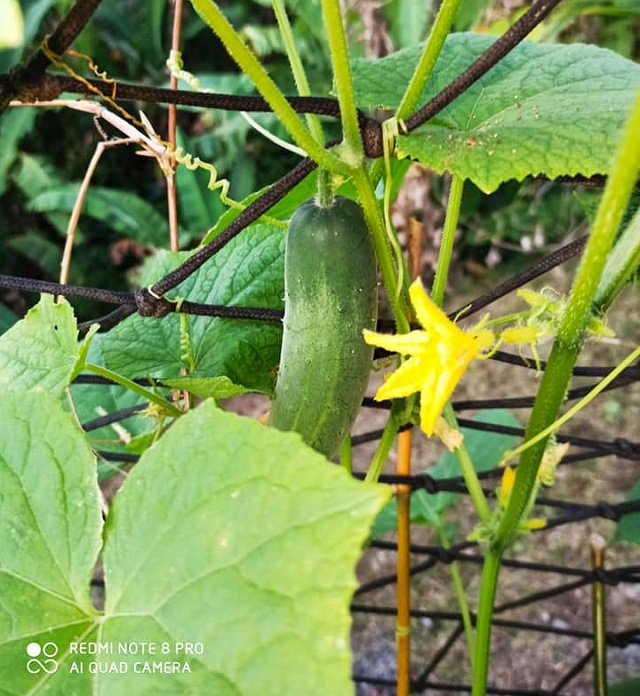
{"x":330,"y":297}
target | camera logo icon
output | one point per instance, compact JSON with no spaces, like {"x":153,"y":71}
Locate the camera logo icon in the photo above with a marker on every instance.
{"x":42,"y":658}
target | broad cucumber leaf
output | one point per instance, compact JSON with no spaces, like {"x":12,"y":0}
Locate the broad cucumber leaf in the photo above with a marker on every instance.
{"x":230,"y":536}
{"x":628,"y":528}
{"x":41,"y":350}
{"x":485,"y":449}
{"x":50,"y":527}
{"x":248,"y":271}
{"x":122,"y":211}
{"x":548,"y":110}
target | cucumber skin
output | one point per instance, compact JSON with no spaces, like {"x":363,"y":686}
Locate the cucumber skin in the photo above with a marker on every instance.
{"x":330,"y":297}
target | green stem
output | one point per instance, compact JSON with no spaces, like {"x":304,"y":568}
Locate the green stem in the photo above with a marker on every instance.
{"x":448,"y":238}
{"x":325,"y":196}
{"x":557,"y":375}
{"x":468,"y":472}
{"x":621,"y":265}
{"x":382,"y":450}
{"x":165,"y":405}
{"x":346,"y":455}
{"x":488,"y":588}
{"x":422,"y":73}
{"x":299,"y":75}
{"x":375,"y":222}
{"x":578,"y":311}
{"x":334,"y":27}
{"x":437,"y":295}
{"x":461,"y":596}
{"x":249,"y":64}
{"x":428,"y":59}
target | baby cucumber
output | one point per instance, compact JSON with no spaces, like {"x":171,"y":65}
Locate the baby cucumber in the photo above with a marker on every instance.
{"x":330,"y":297}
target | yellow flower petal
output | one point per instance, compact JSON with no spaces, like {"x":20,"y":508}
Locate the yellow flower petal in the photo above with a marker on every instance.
{"x":429,"y":410}
{"x":406,"y":380}
{"x":427,"y":312}
{"x":439,"y":356}
{"x":405,"y":344}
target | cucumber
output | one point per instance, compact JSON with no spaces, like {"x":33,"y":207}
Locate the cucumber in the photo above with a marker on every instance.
{"x":330,"y":297}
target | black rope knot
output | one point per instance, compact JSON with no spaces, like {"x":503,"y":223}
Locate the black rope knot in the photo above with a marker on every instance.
{"x":627,"y":449}
{"x":371,"y":133}
{"x":607,"y":511}
{"x":429,"y":484}
{"x":444,"y":555}
{"x":149,"y":305}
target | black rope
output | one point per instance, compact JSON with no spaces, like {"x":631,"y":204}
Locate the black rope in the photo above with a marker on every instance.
{"x":498,"y":50}
{"x":114,"y":417}
{"x":554,"y":259}
{"x":23,"y":79}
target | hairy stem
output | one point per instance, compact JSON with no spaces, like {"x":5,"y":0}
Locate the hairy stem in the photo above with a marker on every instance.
{"x":246,"y":60}
{"x":342,"y":75}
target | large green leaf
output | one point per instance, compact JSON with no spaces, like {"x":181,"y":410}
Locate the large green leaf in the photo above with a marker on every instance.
{"x":544,"y":109}
{"x":50,"y":529}
{"x":41,"y":350}
{"x":485,"y":449}
{"x":246,"y":272}
{"x":233,"y":537}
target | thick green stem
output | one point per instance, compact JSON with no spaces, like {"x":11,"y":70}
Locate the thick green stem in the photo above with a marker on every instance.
{"x":246,"y":60}
{"x":375,"y":222}
{"x":432,"y":49}
{"x":556,"y":377}
{"x":488,"y":588}
{"x":297,"y":69}
{"x":342,"y":75}
{"x":325,"y":195}
{"x":448,"y":237}
{"x":578,"y":311}
{"x":382,"y":451}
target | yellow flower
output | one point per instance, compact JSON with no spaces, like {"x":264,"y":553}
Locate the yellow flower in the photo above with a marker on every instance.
{"x":438,"y":357}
